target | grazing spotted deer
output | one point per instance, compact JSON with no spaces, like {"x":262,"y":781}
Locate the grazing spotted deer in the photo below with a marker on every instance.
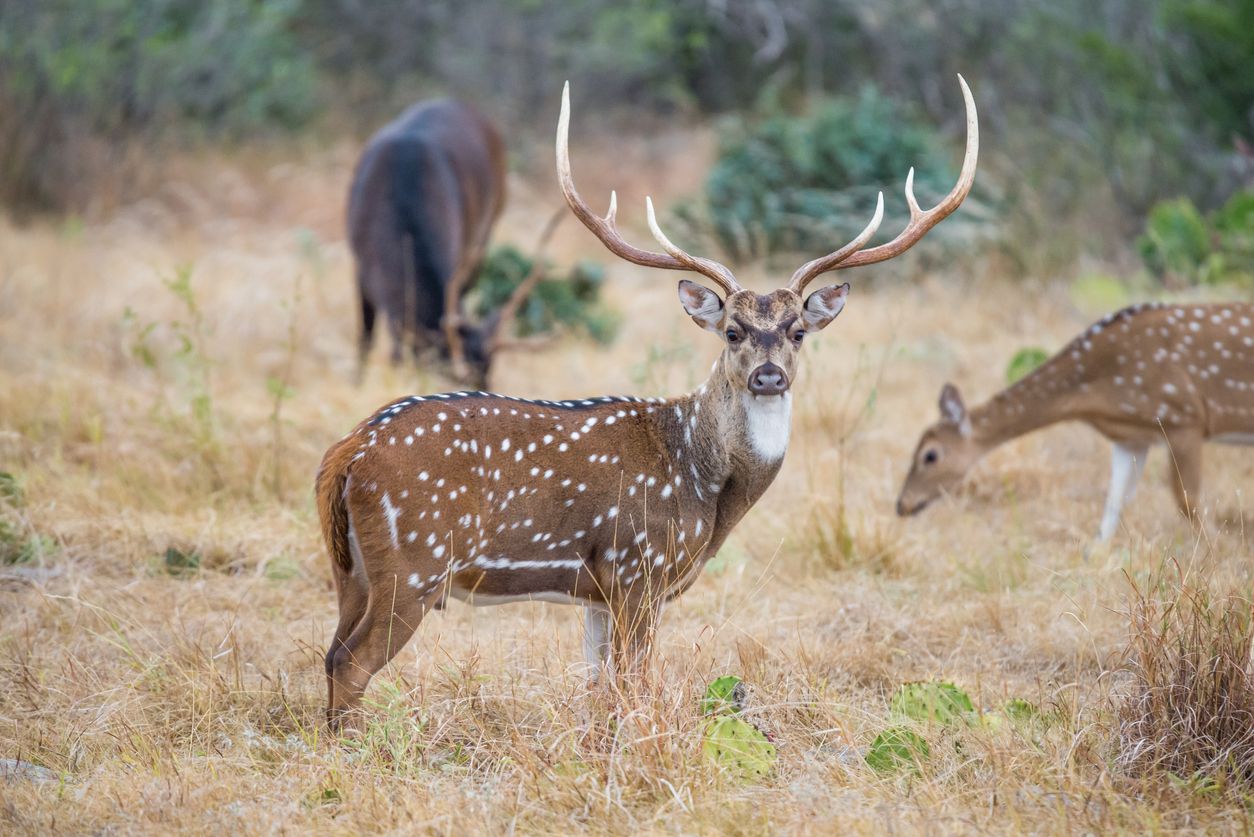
{"x":612,"y":503}
{"x":1149,"y":374}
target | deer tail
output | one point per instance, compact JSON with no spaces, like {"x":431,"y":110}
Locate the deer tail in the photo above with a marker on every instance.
{"x":332,"y":508}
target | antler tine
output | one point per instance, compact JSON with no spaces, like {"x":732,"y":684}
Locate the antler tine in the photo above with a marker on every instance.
{"x":811,"y":269}
{"x":706,"y":267}
{"x":453,"y":317}
{"x":920,"y":221}
{"x":606,"y":230}
{"x":509,"y":311}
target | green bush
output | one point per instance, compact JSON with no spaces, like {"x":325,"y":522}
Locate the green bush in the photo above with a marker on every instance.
{"x":801,"y":184}
{"x":571,"y":301}
{"x":1182,"y":245}
{"x":1024,"y":362}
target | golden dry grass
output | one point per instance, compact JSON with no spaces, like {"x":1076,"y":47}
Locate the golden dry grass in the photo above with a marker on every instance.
{"x":193,"y":702}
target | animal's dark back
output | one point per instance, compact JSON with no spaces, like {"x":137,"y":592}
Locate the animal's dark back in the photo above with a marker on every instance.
{"x":425,"y":194}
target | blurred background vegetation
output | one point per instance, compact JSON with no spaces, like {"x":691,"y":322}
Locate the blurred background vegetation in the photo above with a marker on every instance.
{"x":1131,"y":117}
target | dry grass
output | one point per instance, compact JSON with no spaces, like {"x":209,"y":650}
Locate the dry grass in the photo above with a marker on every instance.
{"x":1190,"y":704}
{"x":169,"y":697}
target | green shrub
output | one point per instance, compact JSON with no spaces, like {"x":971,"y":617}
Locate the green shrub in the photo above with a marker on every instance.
{"x":1180,"y":244}
{"x":1024,"y":362}
{"x":570,"y":301}
{"x":897,"y":748}
{"x":1176,"y":240}
{"x":801,"y":184}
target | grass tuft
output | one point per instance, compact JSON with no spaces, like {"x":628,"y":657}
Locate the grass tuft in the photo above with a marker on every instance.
{"x":1189,"y":710}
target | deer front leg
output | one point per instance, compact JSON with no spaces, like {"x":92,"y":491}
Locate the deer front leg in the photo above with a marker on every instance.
{"x":1126,"y":464}
{"x":1185,"y":449}
{"x":596,"y":638}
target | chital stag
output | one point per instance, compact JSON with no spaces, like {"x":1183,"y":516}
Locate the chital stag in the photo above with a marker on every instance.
{"x":612,"y":503}
{"x":425,"y":195}
{"x":1150,"y":374}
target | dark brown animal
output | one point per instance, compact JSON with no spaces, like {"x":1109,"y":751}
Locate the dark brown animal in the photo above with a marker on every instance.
{"x":425,"y":195}
{"x":611,"y":503}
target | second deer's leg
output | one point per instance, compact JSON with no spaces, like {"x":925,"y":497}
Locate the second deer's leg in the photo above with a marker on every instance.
{"x":1126,"y":462}
{"x":1184,"y":449}
{"x":391,"y":617}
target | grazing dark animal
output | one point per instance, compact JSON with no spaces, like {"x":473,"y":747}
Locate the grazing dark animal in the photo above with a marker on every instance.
{"x":426,"y":192}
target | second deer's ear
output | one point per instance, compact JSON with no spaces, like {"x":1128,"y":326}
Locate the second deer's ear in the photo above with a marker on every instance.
{"x":953,"y":410}
{"x":702,"y":304}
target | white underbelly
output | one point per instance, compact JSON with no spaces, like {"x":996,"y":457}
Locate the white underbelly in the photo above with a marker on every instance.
{"x":1234,"y":438}
{"x":485,"y":599}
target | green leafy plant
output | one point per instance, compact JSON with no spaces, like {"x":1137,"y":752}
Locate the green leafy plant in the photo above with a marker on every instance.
{"x":1018,"y":709}
{"x":738,"y":747}
{"x":940,"y":703}
{"x":178,"y":561}
{"x":724,"y":695}
{"x":1024,"y":362}
{"x":11,"y":489}
{"x":795,"y":183}
{"x":727,"y":739}
{"x":572,"y":300}
{"x":1180,"y":244}
{"x":897,"y":748}
{"x":19,"y":545}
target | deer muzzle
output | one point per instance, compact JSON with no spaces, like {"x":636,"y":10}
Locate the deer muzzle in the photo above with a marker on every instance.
{"x":768,"y":379}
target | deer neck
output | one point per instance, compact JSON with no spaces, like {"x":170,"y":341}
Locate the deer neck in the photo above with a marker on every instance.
{"x":1014,"y":412}
{"x":725,"y":438}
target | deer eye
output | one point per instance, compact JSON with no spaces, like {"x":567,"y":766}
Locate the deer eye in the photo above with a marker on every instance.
{"x":930,"y":456}
{"x":733,"y":336}
{"x":798,"y":336}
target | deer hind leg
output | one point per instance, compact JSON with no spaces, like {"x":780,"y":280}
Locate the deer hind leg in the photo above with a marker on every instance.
{"x":1185,"y":449}
{"x":1126,"y":463}
{"x":353,"y":593}
{"x":392,"y":614}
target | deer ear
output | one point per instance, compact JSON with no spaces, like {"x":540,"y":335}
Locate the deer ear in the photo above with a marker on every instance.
{"x":953,"y":410}
{"x":702,"y":304}
{"x":823,"y":305}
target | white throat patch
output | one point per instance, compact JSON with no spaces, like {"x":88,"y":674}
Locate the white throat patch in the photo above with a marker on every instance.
{"x":768,"y":421}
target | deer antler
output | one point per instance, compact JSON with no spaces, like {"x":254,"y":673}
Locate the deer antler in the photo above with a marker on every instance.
{"x":606,"y":230}
{"x":851,"y":255}
{"x":509,"y":311}
{"x":453,"y":317}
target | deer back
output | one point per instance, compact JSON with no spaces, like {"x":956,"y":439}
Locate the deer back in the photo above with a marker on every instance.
{"x":425,"y":194}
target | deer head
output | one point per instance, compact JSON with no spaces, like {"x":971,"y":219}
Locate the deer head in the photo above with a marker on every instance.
{"x":946,"y":451}
{"x":762,"y":333}
{"x":473,"y":346}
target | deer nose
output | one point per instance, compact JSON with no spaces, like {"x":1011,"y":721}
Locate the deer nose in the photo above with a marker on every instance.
{"x":768,"y":379}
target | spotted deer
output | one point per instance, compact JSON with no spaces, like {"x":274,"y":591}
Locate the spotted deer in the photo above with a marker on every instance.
{"x":1156,"y":373}
{"x":613,"y":503}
